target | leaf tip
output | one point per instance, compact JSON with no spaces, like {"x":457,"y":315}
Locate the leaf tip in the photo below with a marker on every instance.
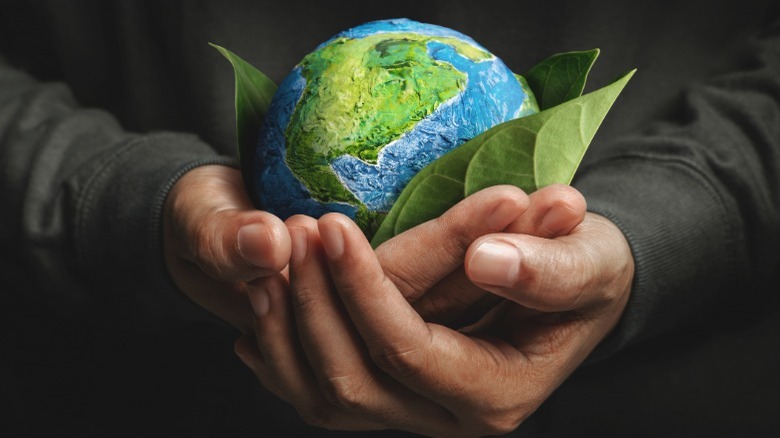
{"x":223,"y":51}
{"x":595,"y":55}
{"x":627,"y":75}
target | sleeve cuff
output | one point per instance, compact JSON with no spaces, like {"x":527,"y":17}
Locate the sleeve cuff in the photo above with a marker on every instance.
{"x":118,"y":230}
{"x":675,"y":222}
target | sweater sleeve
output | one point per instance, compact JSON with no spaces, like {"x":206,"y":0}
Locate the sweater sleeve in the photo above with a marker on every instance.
{"x":82,"y":203}
{"x":698,"y":201}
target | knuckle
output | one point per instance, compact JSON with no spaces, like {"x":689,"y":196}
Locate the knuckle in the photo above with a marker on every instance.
{"x":406,"y":275}
{"x":560,"y":281}
{"x":346,"y":392}
{"x":576,"y":282}
{"x":399,"y":362}
{"x":593,"y":282}
{"x":456,"y":233}
{"x":410,"y":286}
{"x":200,"y":241}
{"x":351,"y":290}
{"x":590,"y":281}
{"x":207,"y":248}
{"x":479,"y":213}
{"x":305,"y":300}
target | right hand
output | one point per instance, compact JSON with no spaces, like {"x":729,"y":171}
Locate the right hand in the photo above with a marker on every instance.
{"x":440,"y":289}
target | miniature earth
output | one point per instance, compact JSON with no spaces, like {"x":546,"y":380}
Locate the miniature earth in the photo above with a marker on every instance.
{"x":359,"y":116}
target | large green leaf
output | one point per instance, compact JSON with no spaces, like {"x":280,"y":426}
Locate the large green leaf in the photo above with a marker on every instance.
{"x":529,"y":152}
{"x":254,"y":91}
{"x":560,"y":77}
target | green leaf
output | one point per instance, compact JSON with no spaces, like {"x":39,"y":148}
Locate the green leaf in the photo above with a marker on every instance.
{"x":530,"y":152}
{"x":254,"y":91}
{"x":420,"y":207}
{"x":560,"y":77}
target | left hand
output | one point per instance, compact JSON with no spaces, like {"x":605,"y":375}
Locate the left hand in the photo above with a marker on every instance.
{"x":343,"y":345}
{"x":215,"y":242}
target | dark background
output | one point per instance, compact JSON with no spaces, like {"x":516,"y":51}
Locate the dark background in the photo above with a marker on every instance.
{"x":61,"y":375}
{"x":64,"y":377}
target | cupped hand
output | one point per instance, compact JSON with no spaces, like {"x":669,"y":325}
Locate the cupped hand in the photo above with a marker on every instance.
{"x":343,"y":345}
{"x":215,"y":242}
{"x":427,"y":261}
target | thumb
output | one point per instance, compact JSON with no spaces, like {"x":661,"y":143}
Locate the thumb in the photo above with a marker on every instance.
{"x":590,"y":266}
{"x":236,"y":245}
{"x":210,"y":222}
{"x":421,"y":257}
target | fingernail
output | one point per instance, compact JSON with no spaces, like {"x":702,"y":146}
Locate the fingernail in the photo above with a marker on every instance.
{"x":299,"y":242}
{"x":247,"y":236}
{"x":332,"y":240}
{"x":260,"y":301}
{"x":495,"y":263}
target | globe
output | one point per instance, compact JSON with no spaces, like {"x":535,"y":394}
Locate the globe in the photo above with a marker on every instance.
{"x":360,"y":115}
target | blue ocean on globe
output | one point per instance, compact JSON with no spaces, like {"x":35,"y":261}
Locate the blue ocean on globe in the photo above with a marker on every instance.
{"x":342,"y":119}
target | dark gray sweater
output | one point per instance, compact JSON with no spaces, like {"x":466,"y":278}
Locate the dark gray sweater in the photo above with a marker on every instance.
{"x":104,"y":104}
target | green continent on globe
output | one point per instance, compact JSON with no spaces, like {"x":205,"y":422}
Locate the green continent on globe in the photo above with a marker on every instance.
{"x":362,"y":94}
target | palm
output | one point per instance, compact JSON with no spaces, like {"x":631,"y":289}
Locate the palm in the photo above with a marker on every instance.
{"x":344,"y":346}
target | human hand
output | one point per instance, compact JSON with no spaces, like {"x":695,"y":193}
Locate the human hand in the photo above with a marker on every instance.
{"x":215,"y":242}
{"x":427,"y":262}
{"x":343,"y":345}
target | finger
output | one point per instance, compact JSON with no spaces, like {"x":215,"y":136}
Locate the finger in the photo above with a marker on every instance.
{"x":455,"y":301}
{"x":283,"y":362}
{"x":240,"y":246}
{"x":554,"y":275}
{"x":553,"y":211}
{"x":276,"y":358}
{"x":358,"y":275}
{"x":318,"y":314}
{"x":318,"y":414}
{"x":448,"y":367}
{"x":432,"y":250}
{"x":346,"y":375}
{"x":227,"y":301}
{"x":397,"y":338}
{"x":215,"y":226}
